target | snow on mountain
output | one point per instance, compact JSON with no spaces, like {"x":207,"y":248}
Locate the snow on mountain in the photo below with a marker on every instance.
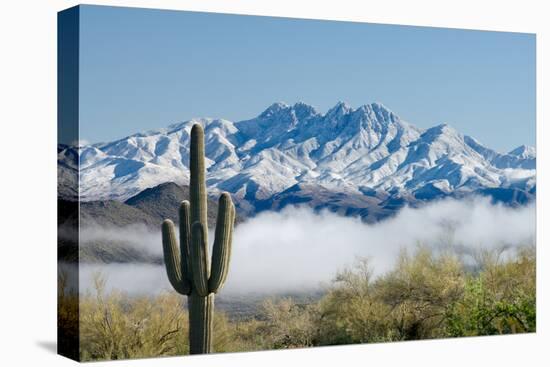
{"x":523,"y":152}
{"x":346,"y":150}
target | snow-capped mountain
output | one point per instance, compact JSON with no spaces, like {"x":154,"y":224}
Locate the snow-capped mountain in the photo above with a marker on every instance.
{"x":364,"y":152}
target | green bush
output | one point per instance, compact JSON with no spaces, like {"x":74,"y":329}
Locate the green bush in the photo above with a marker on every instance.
{"x":425,"y":295}
{"x":407,"y":303}
{"x":501,"y":299}
{"x":351,"y":312}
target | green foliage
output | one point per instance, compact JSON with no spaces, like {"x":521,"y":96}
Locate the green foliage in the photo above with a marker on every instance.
{"x":116,"y":326}
{"x":499,"y":300}
{"x":418,"y":291}
{"x":425,"y":295}
{"x":351,"y":312}
{"x":430,"y":295}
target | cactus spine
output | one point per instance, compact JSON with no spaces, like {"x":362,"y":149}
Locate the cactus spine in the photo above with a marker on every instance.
{"x":188,"y":265}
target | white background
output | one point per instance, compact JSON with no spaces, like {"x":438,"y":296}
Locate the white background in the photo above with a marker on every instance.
{"x":28,"y":181}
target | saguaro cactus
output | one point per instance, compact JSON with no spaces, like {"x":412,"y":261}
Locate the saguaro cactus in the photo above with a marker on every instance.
{"x":189,"y":269}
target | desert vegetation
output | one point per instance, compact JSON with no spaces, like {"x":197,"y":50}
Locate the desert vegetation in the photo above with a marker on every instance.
{"x":426,"y":294}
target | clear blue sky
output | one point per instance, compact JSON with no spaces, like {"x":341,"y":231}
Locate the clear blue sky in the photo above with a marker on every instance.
{"x":143,"y":69}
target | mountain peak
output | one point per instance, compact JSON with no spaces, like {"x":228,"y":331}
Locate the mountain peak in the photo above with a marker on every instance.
{"x":444,"y":128}
{"x":368,"y":146}
{"x":274,"y":109}
{"x":523,"y":151}
{"x":281,"y":112}
{"x":303,"y":109}
{"x":440,"y":131}
{"x":377,"y":106}
{"x":341,"y":108}
{"x":302,"y":104}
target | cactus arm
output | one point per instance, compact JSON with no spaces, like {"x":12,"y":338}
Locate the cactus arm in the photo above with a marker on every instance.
{"x":185,"y":237}
{"x":172,"y":258}
{"x":198,"y":180}
{"x":199,"y":259}
{"x":221,"y":252}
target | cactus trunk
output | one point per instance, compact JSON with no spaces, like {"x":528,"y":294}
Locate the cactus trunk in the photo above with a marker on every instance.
{"x":188,"y":266}
{"x":197,"y":184}
{"x":201,"y":313}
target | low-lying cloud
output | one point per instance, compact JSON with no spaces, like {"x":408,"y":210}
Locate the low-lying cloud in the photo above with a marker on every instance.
{"x":298,"y":249}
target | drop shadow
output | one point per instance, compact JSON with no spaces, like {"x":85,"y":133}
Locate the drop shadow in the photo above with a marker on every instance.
{"x":48,"y":345}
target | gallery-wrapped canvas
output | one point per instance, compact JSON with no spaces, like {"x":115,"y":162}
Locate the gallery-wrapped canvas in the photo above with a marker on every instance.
{"x":233,"y":183}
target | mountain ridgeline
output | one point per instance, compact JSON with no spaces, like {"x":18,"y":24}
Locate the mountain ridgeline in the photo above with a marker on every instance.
{"x":148,"y":209}
{"x":365,"y":161}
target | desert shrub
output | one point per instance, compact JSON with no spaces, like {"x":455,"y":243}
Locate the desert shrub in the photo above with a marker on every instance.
{"x":501,"y":299}
{"x":243,"y":335}
{"x":418,"y":292}
{"x":234,"y":336}
{"x":67,"y":317}
{"x":351,"y":312}
{"x":426,"y":294}
{"x":409,"y":302}
{"x":286,"y":324}
{"x":431,"y":294}
{"x":115,"y":326}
